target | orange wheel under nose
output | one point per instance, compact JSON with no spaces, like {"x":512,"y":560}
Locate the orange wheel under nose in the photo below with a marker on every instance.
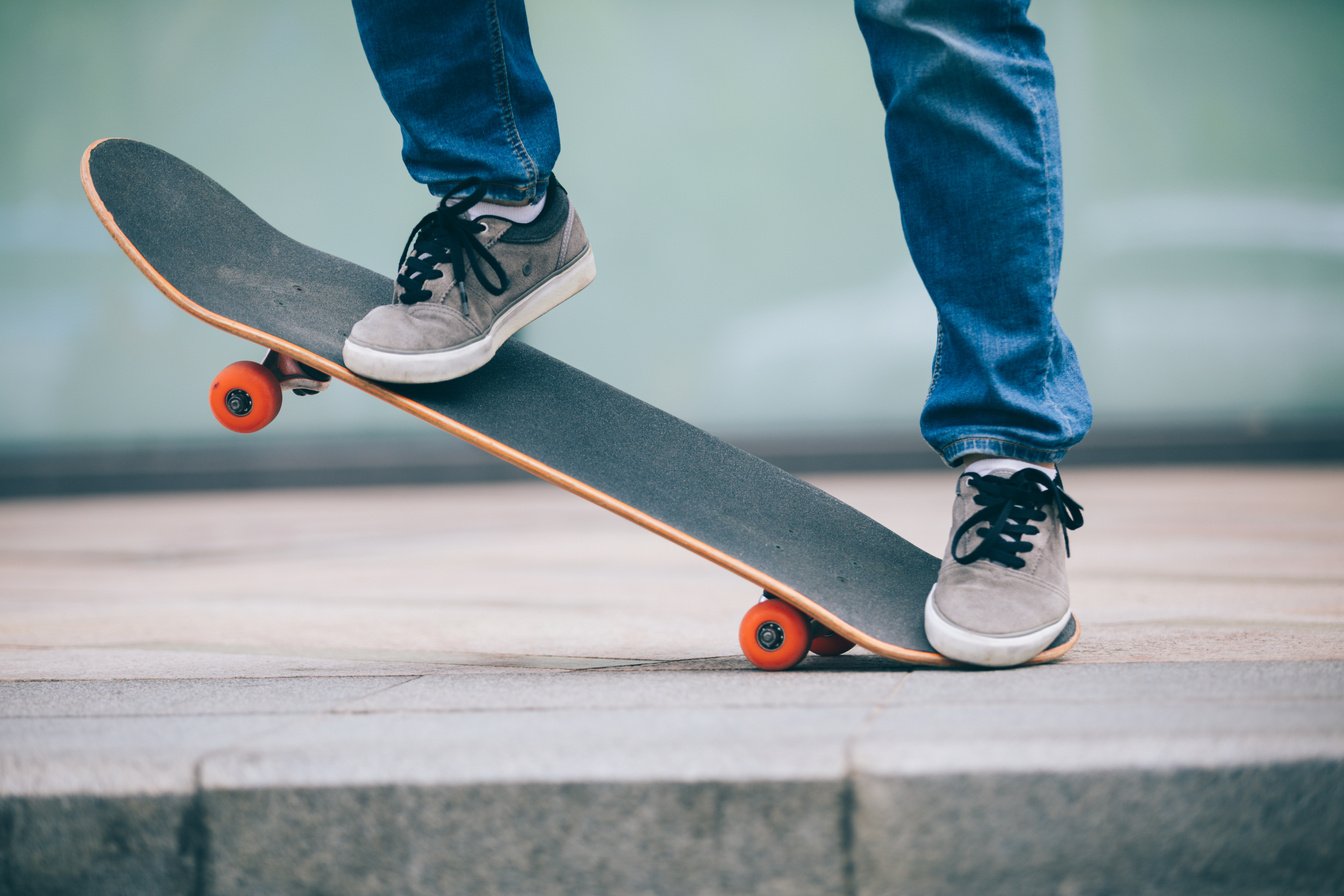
{"x":774,"y":636}
{"x":245,"y":396}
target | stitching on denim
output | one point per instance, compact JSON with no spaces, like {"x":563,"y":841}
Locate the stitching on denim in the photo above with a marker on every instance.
{"x":936,"y":373}
{"x":503,"y":97}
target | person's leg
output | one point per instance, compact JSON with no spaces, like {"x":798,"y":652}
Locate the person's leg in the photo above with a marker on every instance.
{"x":461,"y":80}
{"x":504,"y":245}
{"x":973,"y":140}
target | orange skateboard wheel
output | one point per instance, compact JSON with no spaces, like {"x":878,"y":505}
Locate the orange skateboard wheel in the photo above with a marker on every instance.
{"x":245,"y":396}
{"x":831,"y":644}
{"x":774,"y":636}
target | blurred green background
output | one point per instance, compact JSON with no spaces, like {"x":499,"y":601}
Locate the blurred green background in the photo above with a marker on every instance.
{"x":1203,"y":276}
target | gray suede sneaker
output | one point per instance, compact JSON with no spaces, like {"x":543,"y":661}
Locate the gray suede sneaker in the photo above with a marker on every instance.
{"x":1002,"y":595}
{"x":465,"y":286}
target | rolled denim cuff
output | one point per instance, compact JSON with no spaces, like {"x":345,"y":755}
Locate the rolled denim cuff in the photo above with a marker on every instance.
{"x":508,"y":194}
{"x":955,"y":452}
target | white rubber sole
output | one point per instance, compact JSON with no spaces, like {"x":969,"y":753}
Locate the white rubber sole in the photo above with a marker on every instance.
{"x":957,"y":643}
{"x":434,"y":367}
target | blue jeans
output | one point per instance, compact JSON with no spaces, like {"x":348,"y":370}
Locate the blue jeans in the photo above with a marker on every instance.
{"x":460,"y":78}
{"x":972,"y":136}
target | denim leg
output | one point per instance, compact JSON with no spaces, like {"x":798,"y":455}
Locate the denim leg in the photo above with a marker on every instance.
{"x":462,"y":82}
{"x":973,"y":139}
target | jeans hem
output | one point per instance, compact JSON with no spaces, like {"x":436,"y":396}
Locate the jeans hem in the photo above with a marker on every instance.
{"x":954,"y":453}
{"x":508,"y":194}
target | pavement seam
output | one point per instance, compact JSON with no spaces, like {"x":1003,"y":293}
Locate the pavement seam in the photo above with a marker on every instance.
{"x":337,"y":709}
{"x":194,"y":835}
{"x":196,"y":820}
{"x":849,"y":786}
{"x":623,"y":665}
{"x":193,"y":840}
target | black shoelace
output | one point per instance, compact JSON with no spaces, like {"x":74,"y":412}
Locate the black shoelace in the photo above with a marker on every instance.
{"x":1009,"y":508}
{"x":448,"y":235}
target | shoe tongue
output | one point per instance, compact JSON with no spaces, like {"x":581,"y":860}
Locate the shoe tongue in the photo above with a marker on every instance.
{"x":1005,"y":465}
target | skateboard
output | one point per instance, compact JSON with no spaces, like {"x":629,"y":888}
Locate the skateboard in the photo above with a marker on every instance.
{"x":831,"y":577}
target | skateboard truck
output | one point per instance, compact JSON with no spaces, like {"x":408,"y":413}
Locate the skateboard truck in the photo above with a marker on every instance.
{"x":297,"y":378}
{"x":775,"y":635}
{"x":246,"y":396}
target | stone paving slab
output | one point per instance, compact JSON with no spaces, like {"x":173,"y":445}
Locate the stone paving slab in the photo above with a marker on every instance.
{"x":1173,"y":564}
{"x":198,"y":696}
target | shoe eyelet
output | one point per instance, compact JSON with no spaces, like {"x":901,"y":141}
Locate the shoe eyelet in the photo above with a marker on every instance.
{"x":482,"y":227}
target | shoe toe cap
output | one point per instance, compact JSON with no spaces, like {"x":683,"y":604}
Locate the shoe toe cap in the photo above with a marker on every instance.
{"x":996,"y":601}
{"x":411,"y":328}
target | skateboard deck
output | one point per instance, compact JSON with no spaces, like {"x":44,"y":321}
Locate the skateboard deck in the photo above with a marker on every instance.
{"x":842,"y":571}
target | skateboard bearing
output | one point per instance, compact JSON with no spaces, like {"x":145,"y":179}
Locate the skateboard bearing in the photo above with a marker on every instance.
{"x":238,"y":402}
{"x":770,"y":636}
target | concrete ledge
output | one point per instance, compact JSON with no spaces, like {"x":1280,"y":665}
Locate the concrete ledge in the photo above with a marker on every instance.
{"x":1261,"y":829}
{"x":82,"y":844}
{"x":1271,"y":828}
{"x":857,"y":778}
{"x":632,"y":837}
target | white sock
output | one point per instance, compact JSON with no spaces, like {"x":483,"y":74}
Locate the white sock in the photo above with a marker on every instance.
{"x":518,"y":214}
{"x":990,"y":464}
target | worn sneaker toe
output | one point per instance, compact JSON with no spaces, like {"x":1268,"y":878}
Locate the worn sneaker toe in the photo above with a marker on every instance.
{"x":411,"y":328}
{"x":406,"y":344}
{"x":985,"y":624}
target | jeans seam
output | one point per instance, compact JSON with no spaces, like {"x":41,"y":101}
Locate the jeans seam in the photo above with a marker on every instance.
{"x":504,"y":100}
{"x":936,"y":373}
{"x":1034,"y":94}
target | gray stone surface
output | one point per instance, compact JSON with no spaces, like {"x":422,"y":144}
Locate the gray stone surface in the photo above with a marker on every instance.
{"x":1239,"y":564}
{"x":1165,"y":777}
{"x":110,"y":755}
{"x":1067,"y":718}
{"x":1246,"y":829}
{"x":706,"y":743}
{"x":100,"y":846}
{"x":637,"y":687}
{"x":501,"y":690}
{"x":707,"y":837}
{"x":158,"y":697}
